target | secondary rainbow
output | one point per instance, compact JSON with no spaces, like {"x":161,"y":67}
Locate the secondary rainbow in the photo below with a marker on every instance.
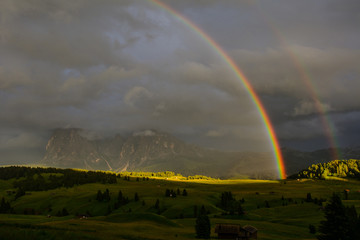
{"x":241,"y":76}
{"x":326,"y":122}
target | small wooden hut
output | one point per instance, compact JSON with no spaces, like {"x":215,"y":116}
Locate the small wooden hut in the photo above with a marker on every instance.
{"x":251,"y":232}
{"x":235,"y":231}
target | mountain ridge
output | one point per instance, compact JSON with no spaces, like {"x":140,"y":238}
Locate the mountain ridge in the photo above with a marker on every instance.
{"x":148,"y":150}
{"x":151,"y":150}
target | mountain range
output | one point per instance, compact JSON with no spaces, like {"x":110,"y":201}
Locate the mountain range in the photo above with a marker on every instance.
{"x":150,"y":150}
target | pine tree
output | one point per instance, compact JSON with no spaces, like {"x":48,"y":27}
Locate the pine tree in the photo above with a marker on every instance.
{"x":106,"y":195}
{"x":202,"y":210}
{"x":136,"y":197}
{"x":354,"y":222}
{"x":312,"y":229}
{"x":5,"y":206}
{"x":202,"y":226}
{"x":240,"y":209}
{"x":157,"y":204}
{"x":99,"y":196}
{"x":120,"y":196}
{"x":64,"y":212}
{"x":336,"y":225}
{"x":167,"y":193}
{"x":308,"y":197}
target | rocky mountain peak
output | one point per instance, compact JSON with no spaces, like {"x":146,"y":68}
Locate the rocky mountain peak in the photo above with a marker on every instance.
{"x":63,"y":137}
{"x":146,"y":150}
{"x":74,"y":146}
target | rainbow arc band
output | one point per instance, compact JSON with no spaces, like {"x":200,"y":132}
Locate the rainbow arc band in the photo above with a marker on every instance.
{"x":326,"y":122}
{"x":241,"y":76}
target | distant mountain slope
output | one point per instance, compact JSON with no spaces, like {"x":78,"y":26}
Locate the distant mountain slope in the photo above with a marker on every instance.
{"x":150,"y":150}
{"x":297,"y":160}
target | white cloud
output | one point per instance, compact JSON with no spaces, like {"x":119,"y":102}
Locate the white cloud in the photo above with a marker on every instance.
{"x":145,"y":133}
{"x":307,"y":108}
{"x":137,"y":95}
{"x":215,"y":133}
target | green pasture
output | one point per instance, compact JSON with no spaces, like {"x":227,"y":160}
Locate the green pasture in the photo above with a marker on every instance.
{"x":287,"y":215}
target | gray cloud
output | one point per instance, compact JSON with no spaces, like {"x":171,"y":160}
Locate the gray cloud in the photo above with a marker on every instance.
{"x":117,"y":66}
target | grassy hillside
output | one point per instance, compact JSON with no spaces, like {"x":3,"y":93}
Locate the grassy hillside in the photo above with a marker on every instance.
{"x":278,"y":209}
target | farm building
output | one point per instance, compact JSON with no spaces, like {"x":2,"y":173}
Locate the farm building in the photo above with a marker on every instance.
{"x":235,"y":231}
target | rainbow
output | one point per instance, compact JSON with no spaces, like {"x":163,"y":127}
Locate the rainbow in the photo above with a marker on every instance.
{"x":241,"y":76}
{"x":326,"y":122}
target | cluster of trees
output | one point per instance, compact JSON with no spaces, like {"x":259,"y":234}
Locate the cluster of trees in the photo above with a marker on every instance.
{"x":103,"y":196}
{"x":7,"y":173}
{"x":199,"y":177}
{"x":165,"y":174}
{"x":121,"y":200}
{"x":62,"y":213}
{"x":341,"y":222}
{"x":314,"y":200}
{"x":230,"y":204}
{"x":172,"y":193}
{"x":35,"y":181}
{"x":5,"y":206}
{"x":94,"y":176}
{"x":127,"y":178}
{"x":335,"y":168}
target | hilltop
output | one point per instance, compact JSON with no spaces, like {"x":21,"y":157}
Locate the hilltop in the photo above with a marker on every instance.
{"x":336,"y":168}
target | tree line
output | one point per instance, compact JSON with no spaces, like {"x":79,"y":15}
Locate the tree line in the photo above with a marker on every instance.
{"x":32,"y":179}
{"x":165,"y":174}
{"x":230,"y":205}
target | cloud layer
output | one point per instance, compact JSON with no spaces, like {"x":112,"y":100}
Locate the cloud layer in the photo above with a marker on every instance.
{"x":120,"y":66}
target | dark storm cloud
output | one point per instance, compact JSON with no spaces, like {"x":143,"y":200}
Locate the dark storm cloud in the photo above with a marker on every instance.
{"x":333,"y":75}
{"x":287,"y":42}
{"x":100,"y":65}
{"x":117,"y":66}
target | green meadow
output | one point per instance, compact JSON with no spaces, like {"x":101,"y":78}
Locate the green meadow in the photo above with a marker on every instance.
{"x":278,"y":209}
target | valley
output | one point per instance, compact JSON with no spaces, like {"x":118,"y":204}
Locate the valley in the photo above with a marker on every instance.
{"x":277,"y":208}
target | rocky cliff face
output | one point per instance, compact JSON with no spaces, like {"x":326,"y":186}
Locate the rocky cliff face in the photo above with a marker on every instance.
{"x":71,"y":148}
{"x":150,"y":150}
{"x":68,"y":148}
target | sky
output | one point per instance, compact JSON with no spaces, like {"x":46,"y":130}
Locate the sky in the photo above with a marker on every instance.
{"x":121,"y":66}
